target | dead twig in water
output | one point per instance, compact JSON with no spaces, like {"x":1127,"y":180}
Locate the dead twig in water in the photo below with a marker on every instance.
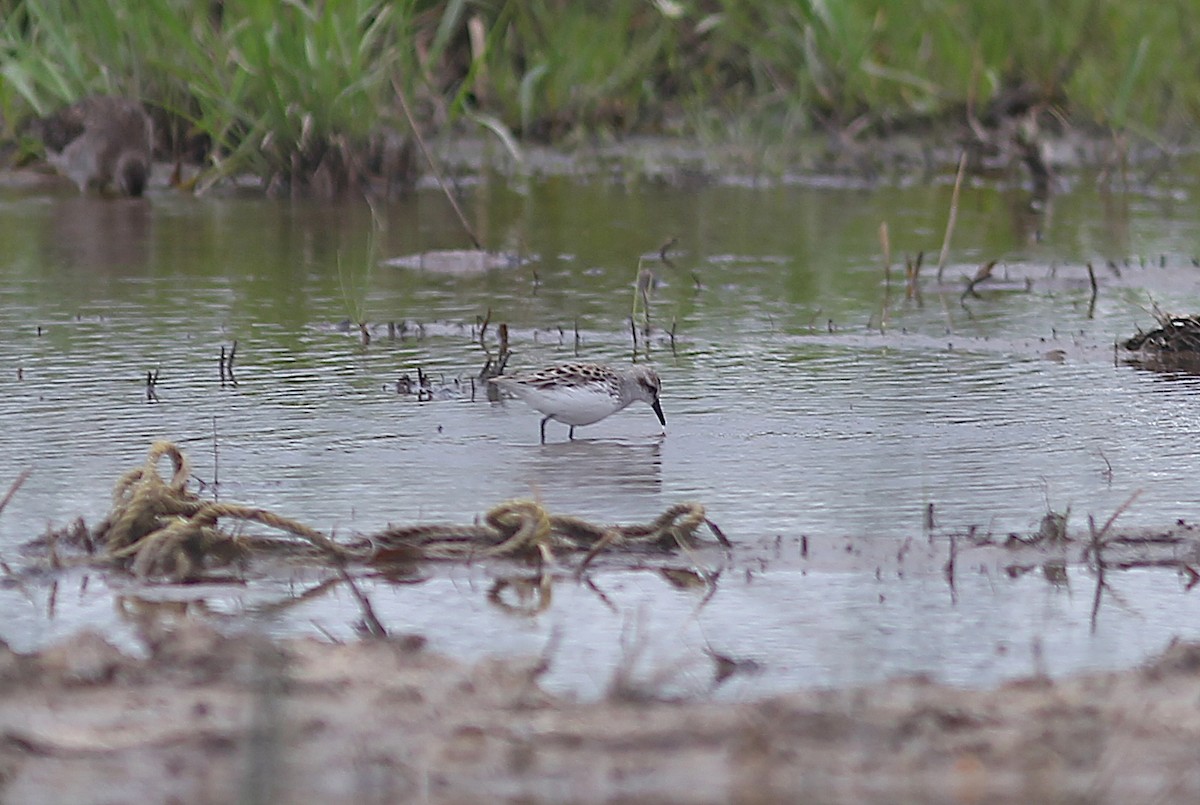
{"x":216,"y":483}
{"x":371,"y":624}
{"x":1107,"y":472}
{"x":953,"y":217}
{"x":483,"y":325}
{"x":912,"y":273}
{"x":1192,"y":576}
{"x":462,"y":219}
{"x":885,"y":242}
{"x":12,"y":489}
{"x":1095,"y":291}
{"x":232,"y":358}
{"x":1095,"y":548}
{"x":948,"y":569}
{"x":983,"y":274}
{"x":151,"y":382}
{"x":645,"y":283}
{"x":662,"y":251}
{"x":1119,"y":511}
{"x":492,"y":368}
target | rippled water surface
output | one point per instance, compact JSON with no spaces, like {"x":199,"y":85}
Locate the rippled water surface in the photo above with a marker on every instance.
{"x":806,"y":398}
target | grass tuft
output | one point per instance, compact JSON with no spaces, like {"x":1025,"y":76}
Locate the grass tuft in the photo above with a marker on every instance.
{"x":293,"y":91}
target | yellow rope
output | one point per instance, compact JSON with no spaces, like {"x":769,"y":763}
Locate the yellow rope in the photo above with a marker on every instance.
{"x":160,"y":529}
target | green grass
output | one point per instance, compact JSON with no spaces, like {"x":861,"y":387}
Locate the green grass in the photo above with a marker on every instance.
{"x":277,"y":88}
{"x":287,"y":89}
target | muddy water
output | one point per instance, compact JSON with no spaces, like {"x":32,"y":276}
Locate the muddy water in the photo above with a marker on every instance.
{"x":806,"y":397}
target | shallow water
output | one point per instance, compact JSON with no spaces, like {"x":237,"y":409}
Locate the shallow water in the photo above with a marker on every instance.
{"x":805,"y":397}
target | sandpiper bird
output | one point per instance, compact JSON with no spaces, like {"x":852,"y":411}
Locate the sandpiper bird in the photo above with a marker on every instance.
{"x":101,"y":142}
{"x":583,"y":393}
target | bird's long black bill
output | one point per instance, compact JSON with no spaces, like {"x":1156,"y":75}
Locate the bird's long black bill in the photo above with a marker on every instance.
{"x":658,"y":410}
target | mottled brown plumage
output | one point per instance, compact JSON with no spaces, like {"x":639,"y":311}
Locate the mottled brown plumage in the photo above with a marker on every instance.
{"x":102,"y":143}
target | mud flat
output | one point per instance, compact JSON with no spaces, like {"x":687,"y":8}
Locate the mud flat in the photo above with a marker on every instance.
{"x":210,"y":718}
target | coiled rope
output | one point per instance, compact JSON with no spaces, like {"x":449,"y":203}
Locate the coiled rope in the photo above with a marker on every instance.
{"x":159,"y":528}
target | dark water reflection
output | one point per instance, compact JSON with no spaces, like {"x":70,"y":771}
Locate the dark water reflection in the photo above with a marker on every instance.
{"x":100,"y":235}
{"x":791,"y":412}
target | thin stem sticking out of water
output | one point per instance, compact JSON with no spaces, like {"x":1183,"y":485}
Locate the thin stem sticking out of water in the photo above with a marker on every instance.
{"x":1107,"y":472}
{"x":885,"y":242}
{"x":225,"y":364}
{"x":492,"y":367}
{"x":982,"y":274}
{"x":662,"y":251}
{"x":371,"y":623}
{"x":354,"y":292}
{"x":1119,"y":511}
{"x":216,"y":482}
{"x":12,"y":489}
{"x":949,"y":568}
{"x":483,"y":325}
{"x":912,"y":275}
{"x":462,"y":219}
{"x":151,"y":383}
{"x":645,"y":283}
{"x":1096,"y":547}
{"x":1095,"y":291}
{"x":953,"y":218}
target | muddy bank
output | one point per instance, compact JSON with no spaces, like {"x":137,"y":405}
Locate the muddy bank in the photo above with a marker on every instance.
{"x":206,"y":718}
{"x":688,"y":163}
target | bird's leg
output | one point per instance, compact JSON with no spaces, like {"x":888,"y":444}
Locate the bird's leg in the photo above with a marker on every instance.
{"x":571,"y":433}
{"x":544,"y":421}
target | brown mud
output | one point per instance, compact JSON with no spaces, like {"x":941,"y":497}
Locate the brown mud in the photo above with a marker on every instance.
{"x":852,"y":162}
{"x":208,"y":718}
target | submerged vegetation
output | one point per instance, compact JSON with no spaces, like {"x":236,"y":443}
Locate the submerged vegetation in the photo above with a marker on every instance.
{"x":307,"y":92}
